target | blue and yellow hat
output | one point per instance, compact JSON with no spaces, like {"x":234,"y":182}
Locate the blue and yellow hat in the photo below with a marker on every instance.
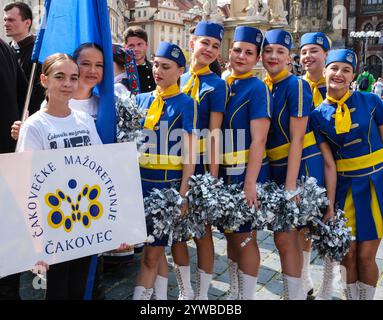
{"x":209,"y":29}
{"x":249,"y":34}
{"x":318,"y":38}
{"x":279,"y":36}
{"x":342,"y":55}
{"x":172,"y":52}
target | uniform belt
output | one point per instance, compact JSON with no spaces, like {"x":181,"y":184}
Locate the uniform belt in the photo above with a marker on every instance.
{"x":235,"y":158}
{"x":282,"y":151}
{"x":358,"y":163}
{"x":160,"y":162}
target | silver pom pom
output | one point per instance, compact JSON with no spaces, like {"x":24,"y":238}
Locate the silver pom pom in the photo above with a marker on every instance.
{"x":331,"y":239}
{"x":129,"y":119}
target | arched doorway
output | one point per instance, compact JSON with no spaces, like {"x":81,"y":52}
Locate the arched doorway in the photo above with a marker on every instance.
{"x":375,"y":66}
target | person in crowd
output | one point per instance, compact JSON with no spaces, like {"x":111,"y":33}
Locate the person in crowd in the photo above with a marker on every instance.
{"x":365,"y":80}
{"x":249,"y":109}
{"x":166,"y":105}
{"x":18,"y":21}
{"x":313,"y":52}
{"x":291,"y":147}
{"x":350,"y":126}
{"x":210,"y":92}
{"x":13,"y":89}
{"x":136,"y":39}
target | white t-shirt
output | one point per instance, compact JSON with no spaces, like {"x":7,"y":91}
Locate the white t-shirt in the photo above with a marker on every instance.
{"x":378,"y":89}
{"x":89,"y":106}
{"x":42,"y":131}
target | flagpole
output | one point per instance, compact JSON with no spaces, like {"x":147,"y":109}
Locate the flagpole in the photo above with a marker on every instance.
{"x":24,"y":114}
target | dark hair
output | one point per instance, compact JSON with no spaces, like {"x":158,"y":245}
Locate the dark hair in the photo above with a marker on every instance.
{"x":192,"y":29}
{"x":365,"y":68}
{"x":25,"y":11}
{"x":84,"y":46}
{"x":135,"y":32}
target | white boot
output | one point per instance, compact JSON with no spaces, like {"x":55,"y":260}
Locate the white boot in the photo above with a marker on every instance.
{"x":351,"y":291}
{"x":247,"y":286}
{"x":140,"y":293}
{"x":326,"y":289}
{"x":366,"y":292}
{"x":232,"y":294}
{"x":184,"y":285}
{"x":292,"y":288}
{"x":203,"y":284}
{"x":161,"y":288}
{"x":307,"y":282}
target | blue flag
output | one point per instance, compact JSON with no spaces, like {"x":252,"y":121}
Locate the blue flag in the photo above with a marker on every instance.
{"x":66,"y":25}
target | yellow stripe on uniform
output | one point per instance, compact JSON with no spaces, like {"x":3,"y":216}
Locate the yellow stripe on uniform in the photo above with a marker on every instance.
{"x":160,"y":162}
{"x":349,"y":212}
{"x":376,"y":213}
{"x":358,"y":163}
{"x":235,"y":158}
{"x":282,"y":151}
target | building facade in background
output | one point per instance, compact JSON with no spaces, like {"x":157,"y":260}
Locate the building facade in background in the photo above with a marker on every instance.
{"x":367,"y":15}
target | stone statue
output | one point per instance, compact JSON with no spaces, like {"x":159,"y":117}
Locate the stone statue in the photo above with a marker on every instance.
{"x":296,"y":14}
{"x":277,"y":11}
{"x":210,"y":11}
{"x":256,"y":10}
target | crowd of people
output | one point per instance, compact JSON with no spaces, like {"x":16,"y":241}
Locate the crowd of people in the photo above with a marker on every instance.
{"x":294,"y":126}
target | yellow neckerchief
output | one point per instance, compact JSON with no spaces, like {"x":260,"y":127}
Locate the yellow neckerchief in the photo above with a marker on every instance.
{"x":270,"y":81}
{"x":193,"y":83}
{"x":155,"y":110}
{"x":342,"y":114}
{"x":230,"y":79}
{"x":317,"y":97}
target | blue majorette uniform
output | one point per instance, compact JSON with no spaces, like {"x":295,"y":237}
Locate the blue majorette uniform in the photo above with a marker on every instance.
{"x":209,"y":90}
{"x":162,"y":166}
{"x":358,"y":152}
{"x":291,"y":98}
{"x":250,"y":99}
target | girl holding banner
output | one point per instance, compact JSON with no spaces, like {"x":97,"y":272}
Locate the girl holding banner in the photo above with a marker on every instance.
{"x":168,"y":110}
{"x":60,"y":75}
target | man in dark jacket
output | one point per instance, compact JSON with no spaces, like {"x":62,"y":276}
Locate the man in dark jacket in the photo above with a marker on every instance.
{"x":13,"y":88}
{"x":136,"y":38}
{"x":17,"y":23}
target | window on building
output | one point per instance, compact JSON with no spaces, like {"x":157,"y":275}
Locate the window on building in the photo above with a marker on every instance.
{"x":369,"y":27}
{"x":139,"y":14}
{"x":379,"y":28}
{"x":162,"y":28}
{"x":171,"y":29}
{"x":144,"y":13}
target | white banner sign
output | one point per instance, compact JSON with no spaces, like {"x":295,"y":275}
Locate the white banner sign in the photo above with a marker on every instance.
{"x":64,"y":204}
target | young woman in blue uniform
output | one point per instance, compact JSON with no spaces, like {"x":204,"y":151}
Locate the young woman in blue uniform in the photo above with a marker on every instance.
{"x":247,"y":118}
{"x":210,"y":92}
{"x":313,"y":52}
{"x":168,"y":110}
{"x":291,"y":147}
{"x":351,"y":124}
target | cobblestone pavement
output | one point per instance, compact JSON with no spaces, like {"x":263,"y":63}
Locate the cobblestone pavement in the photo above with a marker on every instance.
{"x":119,"y":281}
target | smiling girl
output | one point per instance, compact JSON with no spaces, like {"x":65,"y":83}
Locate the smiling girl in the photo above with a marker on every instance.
{"x":291,"y":147}
{"x":351,"y":126}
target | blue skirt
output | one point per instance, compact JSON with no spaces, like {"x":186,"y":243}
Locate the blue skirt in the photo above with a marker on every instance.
{"x":312,"y":165}
{"x":361,"y":197}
